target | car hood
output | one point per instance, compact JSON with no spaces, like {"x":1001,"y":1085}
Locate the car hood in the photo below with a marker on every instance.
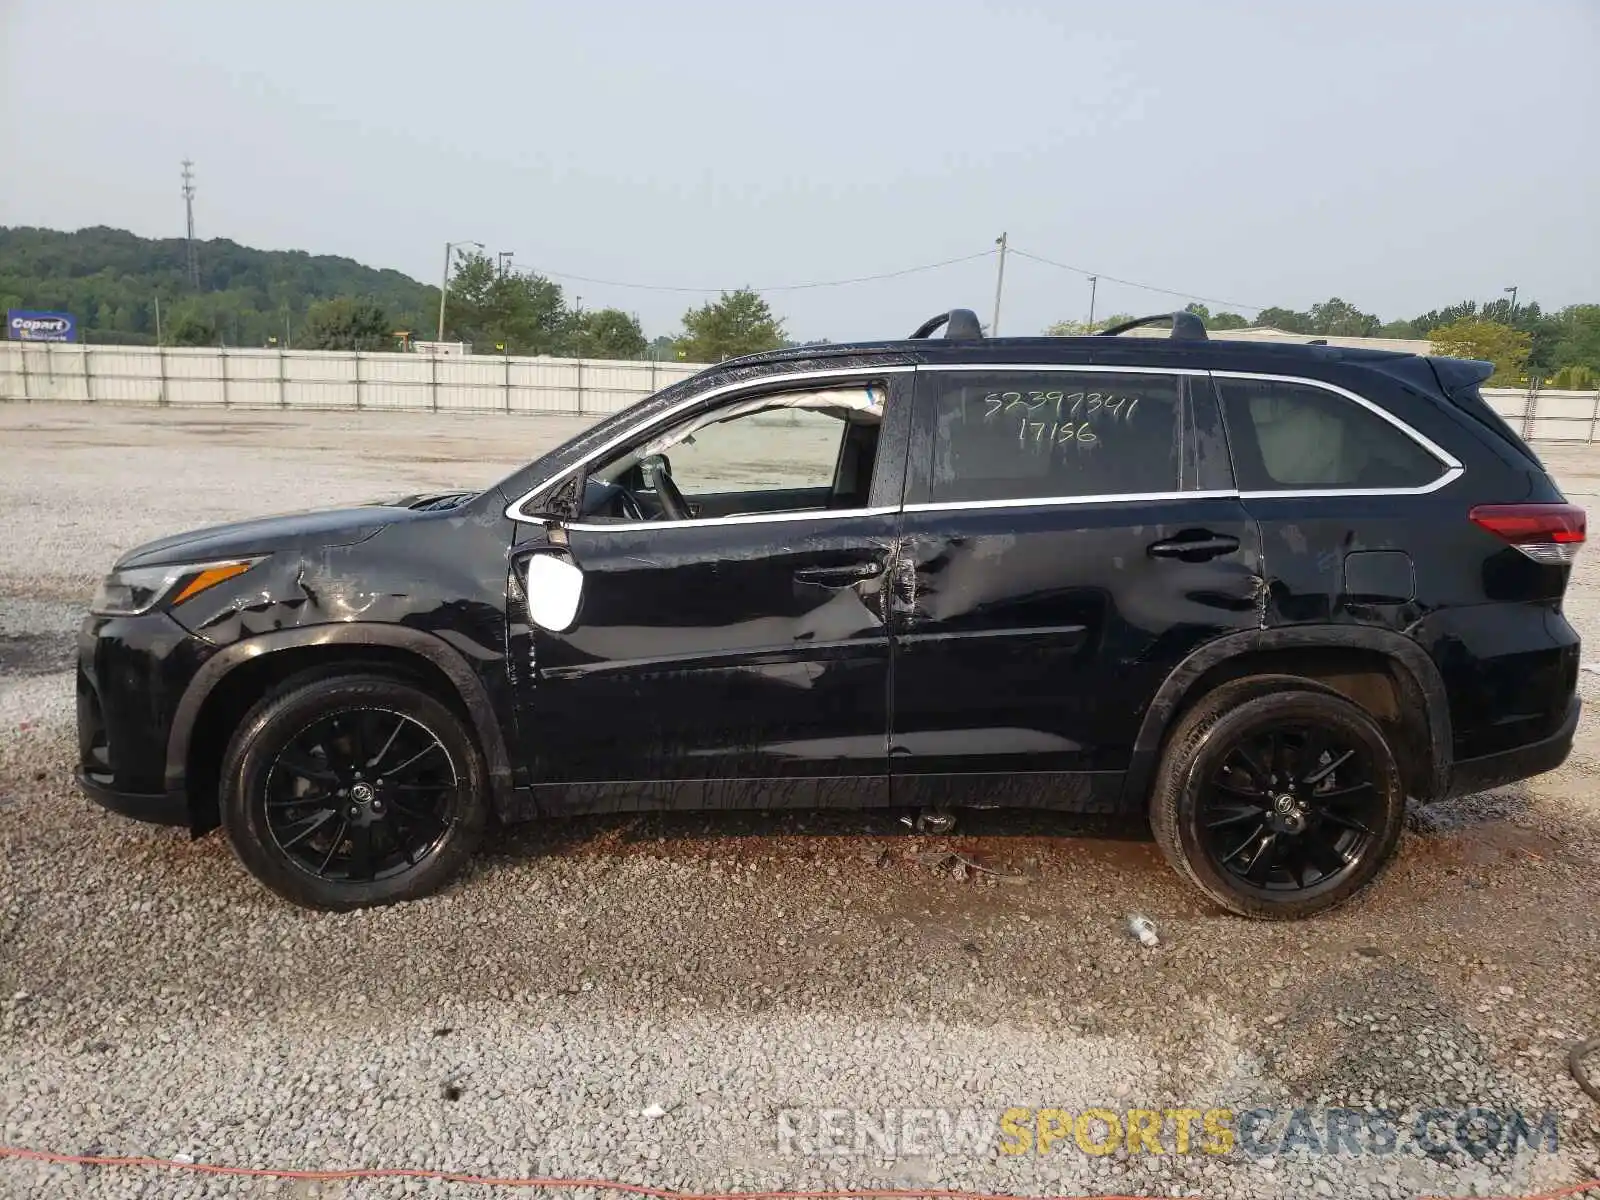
{"x":291,"y":531}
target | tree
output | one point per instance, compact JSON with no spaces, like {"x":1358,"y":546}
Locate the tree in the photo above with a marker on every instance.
{"x":192,"y":328}
{"x":1082,"y":328}
{"x":1228,"y":320}
{"x":1505,"y":347}
{"x":1574,"y":379}
{"x":1577,"y":337}
{"x":1339,"y":318}
{"x":1286,"y":319}
{"x":738,"y":323}
{"x":347,"y":325}
{"x":607,"y":333}
{"x":524,"y":313}
{"x":1429,"y":321}
{"x":664,"y":348}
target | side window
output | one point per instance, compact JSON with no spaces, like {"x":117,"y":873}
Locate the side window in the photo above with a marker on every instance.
{"x":1287,"y":436}
{"x":770,"y":453}
{"x":761,"y":451}
{"x":1015,"y":435}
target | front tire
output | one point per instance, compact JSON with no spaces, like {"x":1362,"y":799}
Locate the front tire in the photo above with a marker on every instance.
{"x":1277,"y":798}
{"x":353,"y":790}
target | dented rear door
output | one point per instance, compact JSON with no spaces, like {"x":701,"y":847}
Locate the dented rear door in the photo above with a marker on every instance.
{"x":1071,"y":533}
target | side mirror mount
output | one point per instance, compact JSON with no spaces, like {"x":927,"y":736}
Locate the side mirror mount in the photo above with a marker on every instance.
{"x":555,"y":591}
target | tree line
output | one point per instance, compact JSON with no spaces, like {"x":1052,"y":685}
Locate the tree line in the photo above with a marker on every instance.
{"x":1561,"y":349}
{"x":129,"y":289}
{"x":135,"y":291}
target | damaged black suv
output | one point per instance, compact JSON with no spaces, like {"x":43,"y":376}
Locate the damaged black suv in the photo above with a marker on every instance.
{"x":1263,"y":592}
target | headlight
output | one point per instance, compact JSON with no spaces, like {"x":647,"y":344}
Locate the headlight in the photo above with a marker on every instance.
{"x":132,"y":591}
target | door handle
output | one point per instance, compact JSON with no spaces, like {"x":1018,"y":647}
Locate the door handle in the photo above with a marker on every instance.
{"x":838,"y":577}
{"x":1196,"y":546}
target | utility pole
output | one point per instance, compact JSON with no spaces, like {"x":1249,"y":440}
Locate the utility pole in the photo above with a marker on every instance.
{"x":158,"y":320}
{"x":1094,"y":284}
{"x":1513,"y":292}
{"x":999,"y":286}
{"x":444,"y":280}
{"x":192,"y":254}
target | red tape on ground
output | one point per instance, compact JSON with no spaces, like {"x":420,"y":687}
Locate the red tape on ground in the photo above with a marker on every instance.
{"x":25,"y":1154}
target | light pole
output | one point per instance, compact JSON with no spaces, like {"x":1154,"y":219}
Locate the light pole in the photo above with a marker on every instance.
{"x":444,"y":280}
{"x":1513,"y":292}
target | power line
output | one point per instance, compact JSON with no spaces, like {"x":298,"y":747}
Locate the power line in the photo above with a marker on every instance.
{"x":1050,"y":262}
{"x":780,"y":287}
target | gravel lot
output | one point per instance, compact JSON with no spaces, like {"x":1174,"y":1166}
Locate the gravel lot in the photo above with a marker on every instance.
{"x":726,"y":968}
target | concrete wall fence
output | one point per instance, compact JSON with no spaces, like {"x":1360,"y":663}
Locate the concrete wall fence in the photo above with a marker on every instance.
{"x":207,"y":377}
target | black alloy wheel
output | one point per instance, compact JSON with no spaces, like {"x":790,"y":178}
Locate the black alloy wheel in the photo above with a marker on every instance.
{"x":342,"y":791}
{"x":1277,"y":798}
{"x":1290,"y":807}
{"x":361,"y":794}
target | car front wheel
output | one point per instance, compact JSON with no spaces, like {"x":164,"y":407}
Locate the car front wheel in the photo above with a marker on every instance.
{"x":1277,"y":798}
{"x":353,"y":790}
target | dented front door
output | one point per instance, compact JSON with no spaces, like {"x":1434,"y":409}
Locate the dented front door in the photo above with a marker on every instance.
{"x":718,"y":664}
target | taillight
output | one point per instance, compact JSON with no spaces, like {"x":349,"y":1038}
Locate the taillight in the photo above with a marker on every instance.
{"x":1547,"y":533}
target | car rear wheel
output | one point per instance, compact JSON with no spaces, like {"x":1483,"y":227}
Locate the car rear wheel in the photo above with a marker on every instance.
{"x":353,"y":790}
{"x":1277,"y":798}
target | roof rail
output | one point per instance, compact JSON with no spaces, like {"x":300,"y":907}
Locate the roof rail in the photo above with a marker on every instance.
{"x":1186,"y":327}
{"x":960,"y":325}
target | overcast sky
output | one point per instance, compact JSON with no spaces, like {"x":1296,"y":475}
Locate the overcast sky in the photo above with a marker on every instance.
{"x":1402,"y":154}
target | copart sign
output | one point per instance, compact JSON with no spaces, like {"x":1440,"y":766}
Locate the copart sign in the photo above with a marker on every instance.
{"x":28,"y":326}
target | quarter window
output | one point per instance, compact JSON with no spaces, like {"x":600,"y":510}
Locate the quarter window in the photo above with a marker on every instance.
{"x":1289,"y":436}
{"x":1049,"y":434}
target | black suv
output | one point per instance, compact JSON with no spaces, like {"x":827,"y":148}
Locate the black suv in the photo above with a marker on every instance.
{"x":1264,"y":592}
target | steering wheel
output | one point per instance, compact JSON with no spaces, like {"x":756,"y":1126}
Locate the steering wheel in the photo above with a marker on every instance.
{"x":659,"y":476}
{"x":630,"y":506}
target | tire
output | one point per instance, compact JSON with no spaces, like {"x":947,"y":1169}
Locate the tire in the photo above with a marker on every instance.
{"x":303,"y":759}
{"x":1330,"y":836}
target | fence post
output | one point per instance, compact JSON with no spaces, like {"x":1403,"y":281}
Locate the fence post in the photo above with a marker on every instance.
{"x":88,"y":379}
{"x":1530,"y":404}
{"x":222,"y":357}
{"x":652,"y":374}
{"x":161,"y":375}
{"x":283,"y":390}
{"x":508,"y":382}
{"x":358,"y":380}
{"x":580,"y":386}
{"x":1594,"y":416}
{"x":22,"y":357}
{"x":433,"y":379}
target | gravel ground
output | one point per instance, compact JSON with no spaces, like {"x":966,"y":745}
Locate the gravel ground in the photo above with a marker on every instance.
{"x":741,"y":972}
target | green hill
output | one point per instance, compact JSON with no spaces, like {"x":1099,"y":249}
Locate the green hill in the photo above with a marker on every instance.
{"x":111,"y":279}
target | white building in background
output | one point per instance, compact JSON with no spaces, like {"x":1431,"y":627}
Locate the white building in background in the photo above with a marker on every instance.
{"x":1265,"y":333}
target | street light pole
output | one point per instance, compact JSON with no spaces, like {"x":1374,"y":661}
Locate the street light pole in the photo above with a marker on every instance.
{"x":1513,"y":292}
{"x":444,"y":280}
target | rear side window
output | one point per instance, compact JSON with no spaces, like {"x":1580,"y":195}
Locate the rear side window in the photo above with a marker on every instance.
{"x":1292,"y":436}
{"x":1025,"y":435}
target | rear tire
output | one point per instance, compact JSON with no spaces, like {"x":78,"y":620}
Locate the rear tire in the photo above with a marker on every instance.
{"x":353,"y":790}
{"x":1277,"y":798}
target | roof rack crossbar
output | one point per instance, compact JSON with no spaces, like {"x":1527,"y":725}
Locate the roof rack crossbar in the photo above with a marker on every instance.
{"x":1186,"y":327}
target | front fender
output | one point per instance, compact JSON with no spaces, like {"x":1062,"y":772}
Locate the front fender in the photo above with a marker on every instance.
{"x":428,"y":646}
